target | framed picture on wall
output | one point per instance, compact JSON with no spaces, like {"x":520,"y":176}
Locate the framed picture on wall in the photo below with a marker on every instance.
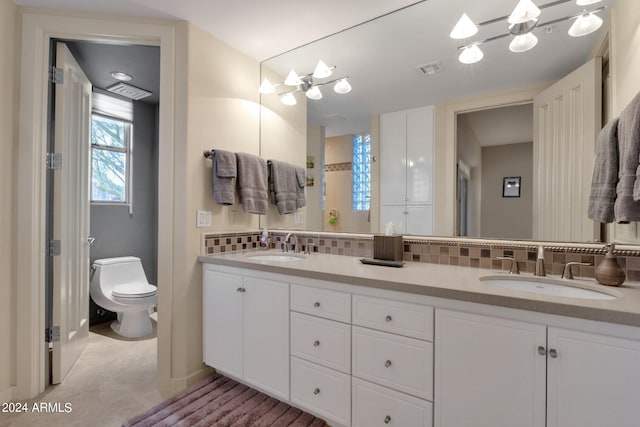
{"x":511,"y":186}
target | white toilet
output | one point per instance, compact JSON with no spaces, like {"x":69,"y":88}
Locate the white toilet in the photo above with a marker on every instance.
{"x":120,"y":285}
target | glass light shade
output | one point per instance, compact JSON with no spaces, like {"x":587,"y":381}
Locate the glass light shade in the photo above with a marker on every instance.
{"x":342,"y":86}
{"x":266,"y":86}
{"x":288,"y":99}
{"x":292,"y":79}
{"x":314,"y":93}
{"x":585,"y":24}
{"x":119,"y":75}
{"x":586,"y":2}
{"x":464,"y":29}
{"x":524,"y":11}
{"x":471,"y":55}
{"x":322,"y":70}
{"x":523,"y":43}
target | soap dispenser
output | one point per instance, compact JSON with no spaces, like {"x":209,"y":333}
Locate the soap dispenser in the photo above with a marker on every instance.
{"x":609,"y":272}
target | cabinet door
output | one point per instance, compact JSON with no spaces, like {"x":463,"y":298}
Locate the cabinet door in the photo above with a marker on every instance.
{"x":222,"y":321}
{"x":393,"y":137}
{"x":420,"y":220}
{"x":395,"y":214}
{"x":266,"y":335}
{"x":593,"y":380}
{"x":488,"y":372}
{"x":419,"y":153}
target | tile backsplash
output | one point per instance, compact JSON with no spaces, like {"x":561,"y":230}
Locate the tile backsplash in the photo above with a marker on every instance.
{"x":460,"y":252}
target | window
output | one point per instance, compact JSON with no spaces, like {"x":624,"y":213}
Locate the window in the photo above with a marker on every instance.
{"x":110,"y":159}
{"x":361,"y":172}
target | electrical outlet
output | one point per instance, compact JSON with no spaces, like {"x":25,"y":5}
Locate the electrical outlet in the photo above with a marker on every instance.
{"x":203,"y":219}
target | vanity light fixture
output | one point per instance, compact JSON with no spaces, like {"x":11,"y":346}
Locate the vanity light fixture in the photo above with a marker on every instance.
{"x":307,"y":83}
{"x":522,"y":21}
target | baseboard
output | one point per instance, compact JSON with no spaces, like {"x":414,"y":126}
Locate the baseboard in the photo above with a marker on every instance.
{"x":7,"y":394}
{"x":179,"y":384}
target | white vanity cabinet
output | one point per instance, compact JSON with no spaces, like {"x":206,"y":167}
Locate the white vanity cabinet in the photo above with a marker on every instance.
{"x":246,"y":329}
{"x":501,"y":372}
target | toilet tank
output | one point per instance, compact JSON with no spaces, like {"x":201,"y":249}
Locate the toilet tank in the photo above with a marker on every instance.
{"x":111,"y":272}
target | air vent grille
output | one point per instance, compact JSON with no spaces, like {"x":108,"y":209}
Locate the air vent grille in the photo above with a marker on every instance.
{"x":430,"y":69}
{"x":129,"y":91}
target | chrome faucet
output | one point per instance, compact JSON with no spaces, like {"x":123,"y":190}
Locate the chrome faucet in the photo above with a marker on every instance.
{"x":287,"y":242}
{"x":514,"y":264}
{"x":567,"y":273}
{"x":540,"y":262}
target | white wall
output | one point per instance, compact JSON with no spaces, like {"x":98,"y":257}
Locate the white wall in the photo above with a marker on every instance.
{"x":625,"y":54}
{"x":8,"y":50}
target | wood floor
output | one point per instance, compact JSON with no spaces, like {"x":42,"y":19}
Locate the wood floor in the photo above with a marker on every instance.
{"x":113,"y":381}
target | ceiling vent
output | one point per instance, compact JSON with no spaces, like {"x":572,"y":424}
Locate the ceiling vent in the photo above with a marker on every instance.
{"x":129,"y":91}
{"x":334,"y":118}
{"x":429,"y":69}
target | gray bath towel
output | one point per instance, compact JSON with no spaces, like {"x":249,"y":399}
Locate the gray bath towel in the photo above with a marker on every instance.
{"x":627,"y":205}
{"x":252,"y":183}
{"x":605,"y":174}
{"x":284,"y":186}
{"x":224,"y":177}
{"x":301,"y":177}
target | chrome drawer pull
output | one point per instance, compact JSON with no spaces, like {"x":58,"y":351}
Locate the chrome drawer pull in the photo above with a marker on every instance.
{"x":387,"y":419}
{"x":241,"y":290}
{"x":388,"y":319}
{"x":316,"y":343}
{"x":553,"y":353}
{"x":387,"y":363}
{"x":542,"y":351}
{"x":316,"y":391}
{"x":316,"y":304}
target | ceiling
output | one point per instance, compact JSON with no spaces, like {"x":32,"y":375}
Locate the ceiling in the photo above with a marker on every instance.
{"x":504,"y":125}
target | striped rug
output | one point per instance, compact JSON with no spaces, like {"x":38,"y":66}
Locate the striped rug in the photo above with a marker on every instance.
{"x":220,"y":401}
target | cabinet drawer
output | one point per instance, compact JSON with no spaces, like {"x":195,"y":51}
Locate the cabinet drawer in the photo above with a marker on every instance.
{"x":320,"y":302}
{"x":404,"y":364}
{"x":376,"y":406}
{"x":321,"y":341}
{"x":402,"y":318}
{"x":321,"y":390}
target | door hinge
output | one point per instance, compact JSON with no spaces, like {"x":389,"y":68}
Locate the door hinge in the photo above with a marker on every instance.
{"x":56,"y":75}
{"x":53,"y":248}
{"x":52,"y":334}
{"x":54,"y":160}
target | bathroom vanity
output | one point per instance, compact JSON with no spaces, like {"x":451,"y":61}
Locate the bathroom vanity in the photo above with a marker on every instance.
{"x":424,"y":345}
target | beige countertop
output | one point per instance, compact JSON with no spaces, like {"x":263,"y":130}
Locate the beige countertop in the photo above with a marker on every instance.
{"x":445,"y":281}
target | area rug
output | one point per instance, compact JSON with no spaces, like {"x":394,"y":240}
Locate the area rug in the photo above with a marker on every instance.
{"x":222,"y":402}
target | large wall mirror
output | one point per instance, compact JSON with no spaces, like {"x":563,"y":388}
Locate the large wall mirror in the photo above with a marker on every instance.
{"x":485,"y":121}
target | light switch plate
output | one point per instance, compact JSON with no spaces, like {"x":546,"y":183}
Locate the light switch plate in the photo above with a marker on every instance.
{"x":298,"y":218}
{"x":203,"y":219}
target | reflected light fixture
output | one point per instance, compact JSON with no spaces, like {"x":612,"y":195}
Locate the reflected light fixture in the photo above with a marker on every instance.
{"x":522,"y":21}
{"x":122,"y":76}
{"x":307,"y":83}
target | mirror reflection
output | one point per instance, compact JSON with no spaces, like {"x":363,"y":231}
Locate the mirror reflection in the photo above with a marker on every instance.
{"x":442,"y":132}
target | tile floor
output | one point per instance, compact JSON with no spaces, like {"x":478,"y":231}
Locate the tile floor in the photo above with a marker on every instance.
{"x":113,"y":381}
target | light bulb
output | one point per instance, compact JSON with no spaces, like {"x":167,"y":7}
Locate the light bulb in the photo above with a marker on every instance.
{"x":585,"y":24}
{"x":292,"y":79}
{"x":464,"y":29}
{"x":288,"y":99}
{"x":342,"y":86}
{"x":524,"y":11}
{"x":266,"y":86}
{"x":586,"y":2}
{"x":314,"y":93}
{"x":471,"y":54}
{"x":523,"y":43}
{"x":322,"y":70}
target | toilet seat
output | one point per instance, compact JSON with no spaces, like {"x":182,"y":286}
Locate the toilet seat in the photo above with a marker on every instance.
{"x":134,"y":290}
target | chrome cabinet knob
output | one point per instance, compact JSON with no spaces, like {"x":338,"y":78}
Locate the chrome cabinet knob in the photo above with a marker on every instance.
{"x":388,"y":319}
{"x":553,"y":353}
{"x":387,"y":363}
{"x":387,"y":419}
{"x":542,"y":351}
{"x":316,"y":391}
{"x":316,"y":343}
{"x":316,"y":304}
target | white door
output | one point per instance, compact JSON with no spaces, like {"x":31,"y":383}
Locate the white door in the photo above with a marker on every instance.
{"x":593,"y":380}
{"x":393,"y":156}
{"x":222,"y":321}
{"x":71,"y":214}
{"x":420,"y":220}
{"x":489,"y":372}
{"x":566,"y":122}
{"x":266,"y":335}
{"x":420,"y":136}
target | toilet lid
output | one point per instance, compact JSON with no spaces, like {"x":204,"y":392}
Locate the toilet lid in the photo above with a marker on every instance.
{"x":134,"y":290}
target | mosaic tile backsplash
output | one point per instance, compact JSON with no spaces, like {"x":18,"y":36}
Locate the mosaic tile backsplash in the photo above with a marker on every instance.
{"x":463,"y":253}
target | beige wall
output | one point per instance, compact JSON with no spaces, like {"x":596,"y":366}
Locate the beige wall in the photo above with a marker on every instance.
{"x":470,"y":151}
{"x":625,"y":52}
{"x":315,"y":149}
{"x":221,"y":110}
{"x":7,"y":207}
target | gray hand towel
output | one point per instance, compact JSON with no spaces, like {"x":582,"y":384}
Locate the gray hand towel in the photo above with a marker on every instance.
{"x":627,"y":205}
{"x":301,"y":178}
{"x":284,"y":186}
{"x":605,"y":174}
{"x":224,"y":177}
{"x":252,"y":182}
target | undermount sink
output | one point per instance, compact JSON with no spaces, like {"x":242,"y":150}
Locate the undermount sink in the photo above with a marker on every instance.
{"x":277,"y":256}
{"x":548,"y":286}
